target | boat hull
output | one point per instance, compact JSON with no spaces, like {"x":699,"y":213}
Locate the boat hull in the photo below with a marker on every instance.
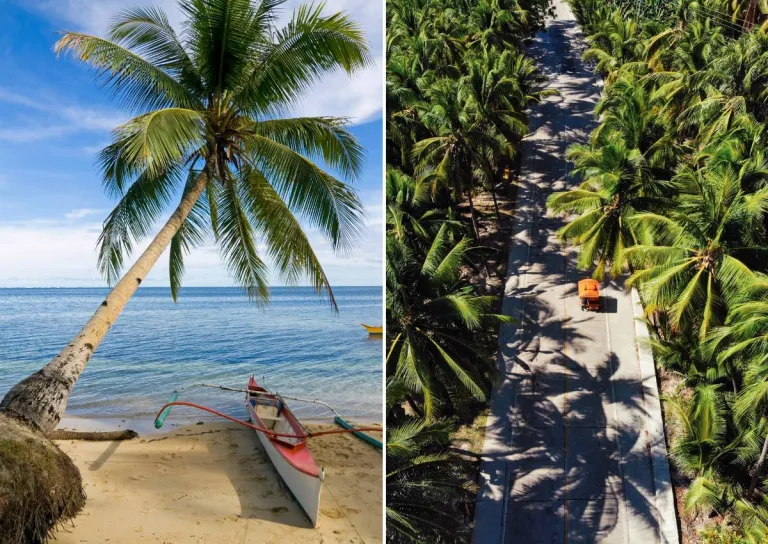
{"x":294,"y":465}
{"x":373,"y":331}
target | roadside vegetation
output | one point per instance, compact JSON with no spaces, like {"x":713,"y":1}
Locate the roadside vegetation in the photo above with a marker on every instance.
{"x":459,"y":85}
{"x":675,"y":194}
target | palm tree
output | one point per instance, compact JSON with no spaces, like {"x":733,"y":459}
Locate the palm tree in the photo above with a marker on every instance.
{"x":411,"y":214}
{"x":754,"y":400}
{"x":747,"y":327}
{"x":617,"y":186}
{"x":208,"y":104}
{"x":745,"y":338}
{"x":433,"y":322}
{"x":459,"y":146}
{"x":423,"y":479}
{"x":629,"y":113}
{"x":497,"y":23}
{"x":701,"y":443}
{"x":695,"y":265}
{"x":617,"y":40}
{"x":498,"y":89}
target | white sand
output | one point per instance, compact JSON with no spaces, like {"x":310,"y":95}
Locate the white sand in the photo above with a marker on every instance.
{"x":214,"y":483}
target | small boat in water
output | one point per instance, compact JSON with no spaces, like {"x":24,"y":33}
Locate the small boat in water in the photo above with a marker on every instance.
{"x":373,"y":331}
{"x":286,"y":446}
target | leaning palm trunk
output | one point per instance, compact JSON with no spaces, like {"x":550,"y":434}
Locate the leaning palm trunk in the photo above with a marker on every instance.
{"x":40,"y":399}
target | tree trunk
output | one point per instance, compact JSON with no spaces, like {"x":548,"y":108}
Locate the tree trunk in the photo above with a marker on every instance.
{"x":40,"y":399}
{"x":101,"y":436}
{"x":758,"y":468}
{"x":495,"y":201}
{"x":40,"y":487}
{"x":472,"y":213}
{"x":750,"y":16}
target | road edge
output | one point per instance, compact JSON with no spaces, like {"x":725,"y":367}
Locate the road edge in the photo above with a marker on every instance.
{"x":662,"y":478}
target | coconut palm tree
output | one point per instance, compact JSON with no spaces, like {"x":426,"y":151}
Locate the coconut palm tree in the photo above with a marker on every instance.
{"x":422,"y":477}
{"x":208,"y":125}
{"x":500,"y":24}
{"x":617,"y":185}
{"x":458,"y":146}
{"x":628,"y":112}
{"x":616,"y":41}
{"x":747,"y":327}
{"x":431,"y":319}
{"x":752,"y":400}
{"x":703,"y":422}
{"x":696,"y":264}
{"x":745,"y":338}
{"x":411,"y":213}
{"x":498,"y":89}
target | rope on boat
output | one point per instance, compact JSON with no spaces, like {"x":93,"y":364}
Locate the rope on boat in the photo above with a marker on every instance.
{"x":312,"y":401}
{"x":257,"y":428}
{"x":339,"y":419}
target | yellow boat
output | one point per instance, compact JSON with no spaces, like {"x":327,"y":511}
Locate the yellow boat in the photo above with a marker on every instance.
{"x":373,"y":331}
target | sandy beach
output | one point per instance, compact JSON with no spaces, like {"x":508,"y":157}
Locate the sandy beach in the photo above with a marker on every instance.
{"x":214,"y":483}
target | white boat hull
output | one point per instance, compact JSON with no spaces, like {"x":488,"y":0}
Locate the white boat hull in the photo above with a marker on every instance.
{"x":305,"y":488}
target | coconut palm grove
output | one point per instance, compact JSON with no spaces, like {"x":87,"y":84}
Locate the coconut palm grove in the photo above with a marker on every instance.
{"x":673,"y":199}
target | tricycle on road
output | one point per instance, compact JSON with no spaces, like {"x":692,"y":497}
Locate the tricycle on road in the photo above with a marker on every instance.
{"x":589,"y":294}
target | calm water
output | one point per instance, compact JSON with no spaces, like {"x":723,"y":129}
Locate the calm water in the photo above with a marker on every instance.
{"x":213,"y":335}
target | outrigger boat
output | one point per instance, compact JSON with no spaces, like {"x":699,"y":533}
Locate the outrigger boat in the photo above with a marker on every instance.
{"x":287,"y":447}
{"x":373,"y":331}
{"x":282,"y":436}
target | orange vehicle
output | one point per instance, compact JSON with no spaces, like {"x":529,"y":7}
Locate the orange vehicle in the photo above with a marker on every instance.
{"x":589,"y":294}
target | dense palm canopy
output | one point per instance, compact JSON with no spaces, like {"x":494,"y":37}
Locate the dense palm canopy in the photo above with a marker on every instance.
{"x":422,"y":477}
{"x":674,"y":193}
{"x":208,"y":104}
{"x":433,"y":319}
{"x":459,"y":85}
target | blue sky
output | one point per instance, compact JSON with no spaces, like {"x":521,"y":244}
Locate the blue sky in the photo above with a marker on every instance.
{"x":54,"y":118}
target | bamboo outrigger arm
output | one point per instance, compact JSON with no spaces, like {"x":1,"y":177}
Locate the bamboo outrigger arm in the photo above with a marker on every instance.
{"x":339,"y":419}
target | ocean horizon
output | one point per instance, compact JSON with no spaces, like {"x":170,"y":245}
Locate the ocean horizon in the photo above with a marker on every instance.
{"x":297,"y":343}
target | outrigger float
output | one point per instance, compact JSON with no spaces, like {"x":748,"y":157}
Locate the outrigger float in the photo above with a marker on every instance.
{"x":282,"y":436}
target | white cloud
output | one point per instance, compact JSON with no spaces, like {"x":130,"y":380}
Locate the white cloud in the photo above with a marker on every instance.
{"x":83,"y":212}
{"x":33,"y":134}
{"x":359,"y":98}
{"x":48,"y":253}
{"x":62,"y":118}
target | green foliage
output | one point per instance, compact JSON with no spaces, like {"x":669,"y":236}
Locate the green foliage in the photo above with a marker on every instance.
{"x":459,"y":86}
{"x":426,"y":484}
{"x":717,"y":534}
{"x":208,"y":105}
{"x":674,"y":190}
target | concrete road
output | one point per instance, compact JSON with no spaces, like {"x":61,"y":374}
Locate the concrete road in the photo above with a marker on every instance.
{"x":567,"y":456}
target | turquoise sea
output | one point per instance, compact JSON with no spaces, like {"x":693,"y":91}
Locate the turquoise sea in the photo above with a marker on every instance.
{"x":212,"y":335}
